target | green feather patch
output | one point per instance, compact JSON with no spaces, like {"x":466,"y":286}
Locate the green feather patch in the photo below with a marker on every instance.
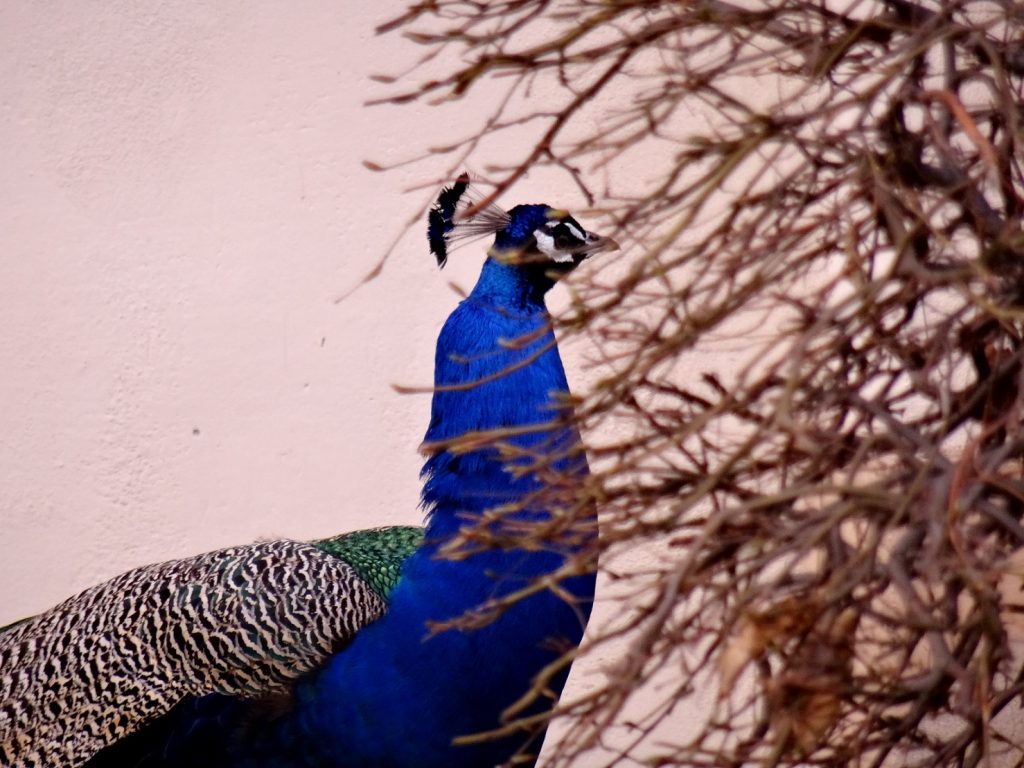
{"x":376,"y":554}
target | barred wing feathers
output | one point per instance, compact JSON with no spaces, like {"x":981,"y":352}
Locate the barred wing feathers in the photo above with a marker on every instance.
{"x":245,"y":621}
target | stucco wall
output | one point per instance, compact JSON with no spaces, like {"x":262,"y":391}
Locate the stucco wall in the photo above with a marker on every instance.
{"x":182,"y":200}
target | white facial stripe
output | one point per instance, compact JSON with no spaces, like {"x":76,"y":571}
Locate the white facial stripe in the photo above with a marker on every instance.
{"x":546,"y":245}
{"x":575,"y":230}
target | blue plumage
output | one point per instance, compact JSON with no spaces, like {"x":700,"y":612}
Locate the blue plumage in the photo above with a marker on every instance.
{"x":458,"y":682}
{"x":398,"y":695}
{"x":525,"y":219}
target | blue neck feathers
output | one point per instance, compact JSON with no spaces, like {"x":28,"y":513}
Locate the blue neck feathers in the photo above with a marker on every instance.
{"x":396,"y":697}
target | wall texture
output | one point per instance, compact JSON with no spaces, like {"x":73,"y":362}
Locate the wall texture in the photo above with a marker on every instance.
{"x":182,"y":200}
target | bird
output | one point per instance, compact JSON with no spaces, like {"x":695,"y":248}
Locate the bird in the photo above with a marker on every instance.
{"x":452,"y":654}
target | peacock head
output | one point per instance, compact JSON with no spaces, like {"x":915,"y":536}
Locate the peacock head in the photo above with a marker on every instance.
{"x":537,"y":237}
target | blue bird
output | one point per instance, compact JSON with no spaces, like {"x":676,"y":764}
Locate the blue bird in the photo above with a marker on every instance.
{"x":472,"y":617}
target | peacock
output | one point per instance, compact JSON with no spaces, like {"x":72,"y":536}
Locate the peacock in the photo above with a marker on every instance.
{"x":402,"y":646}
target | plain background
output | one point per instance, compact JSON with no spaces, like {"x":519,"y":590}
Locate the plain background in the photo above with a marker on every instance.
{"x":183,"y":199}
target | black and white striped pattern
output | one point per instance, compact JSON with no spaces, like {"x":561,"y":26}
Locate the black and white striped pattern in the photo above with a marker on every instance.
{"x":244,"y":621}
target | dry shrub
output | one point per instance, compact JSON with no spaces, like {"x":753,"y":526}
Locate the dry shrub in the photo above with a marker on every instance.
{"x":833,"y":516}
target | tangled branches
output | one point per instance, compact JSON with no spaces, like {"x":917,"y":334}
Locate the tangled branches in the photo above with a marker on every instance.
{"x":830,"y":520}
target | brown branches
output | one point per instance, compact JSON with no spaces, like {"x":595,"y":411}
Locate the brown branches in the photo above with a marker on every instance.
{"x":820,"y":529}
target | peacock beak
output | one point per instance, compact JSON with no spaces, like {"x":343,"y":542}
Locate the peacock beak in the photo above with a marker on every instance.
{"x":597,"y":244}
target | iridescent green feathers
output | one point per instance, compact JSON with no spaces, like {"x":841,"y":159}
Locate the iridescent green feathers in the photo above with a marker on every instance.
{"x":376,"y":555}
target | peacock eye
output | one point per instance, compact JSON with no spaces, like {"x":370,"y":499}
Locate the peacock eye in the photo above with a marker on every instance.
{"x":563,"y":241}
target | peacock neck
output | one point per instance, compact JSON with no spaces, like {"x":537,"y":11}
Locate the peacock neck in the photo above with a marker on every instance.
{"x":518,"y":288}
{"x":398,"y":695}
{"x":499,"y":385}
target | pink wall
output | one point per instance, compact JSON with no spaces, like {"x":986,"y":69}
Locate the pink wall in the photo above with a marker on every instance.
{"x":182,"y":200}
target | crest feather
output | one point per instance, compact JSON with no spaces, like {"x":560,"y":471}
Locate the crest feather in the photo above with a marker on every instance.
{"x":457,"y":217}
